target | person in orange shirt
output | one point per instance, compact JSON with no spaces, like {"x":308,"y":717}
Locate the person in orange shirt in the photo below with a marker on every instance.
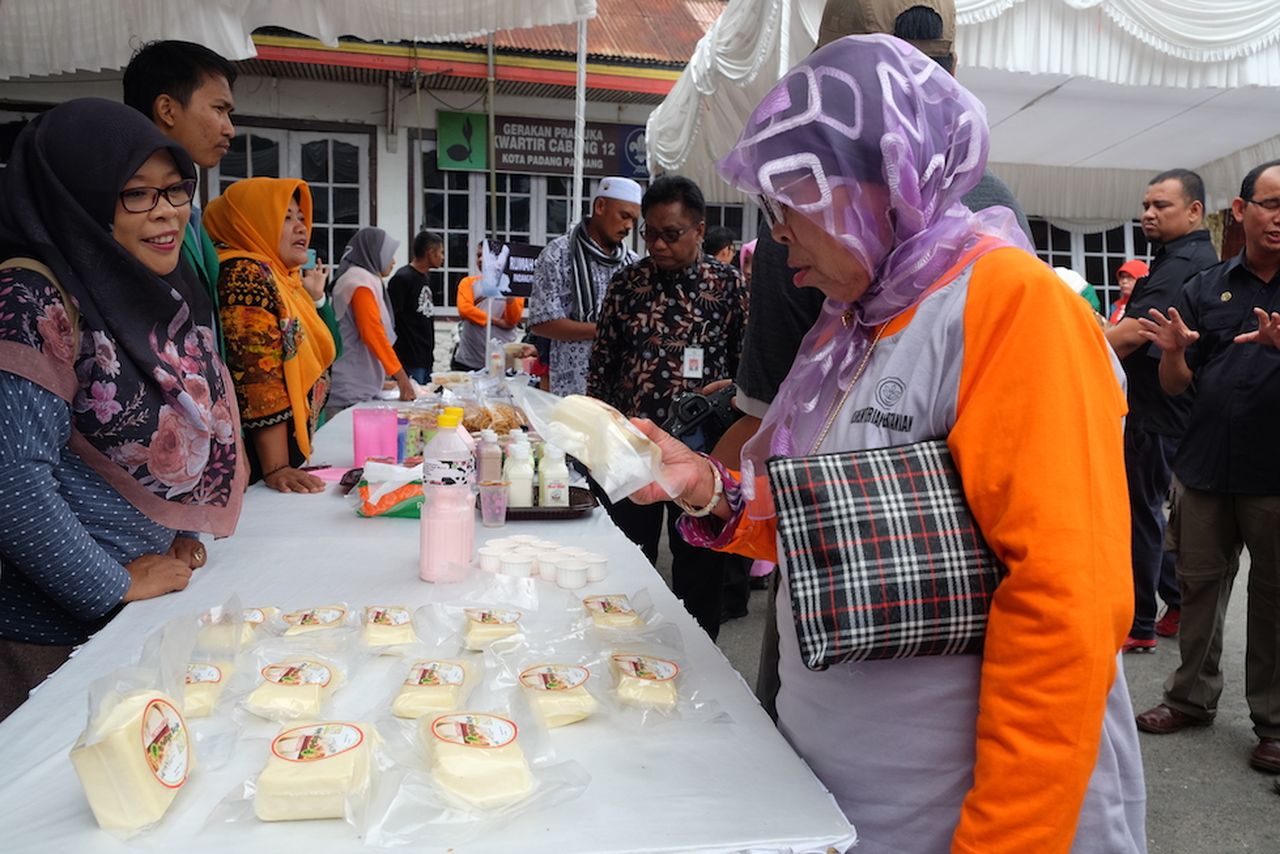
{"x":504,"y":311}
{"x":364,"y":319}
{"x":933,"y":328}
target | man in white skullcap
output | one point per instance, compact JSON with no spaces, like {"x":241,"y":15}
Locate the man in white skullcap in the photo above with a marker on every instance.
{"x":571,"y":276}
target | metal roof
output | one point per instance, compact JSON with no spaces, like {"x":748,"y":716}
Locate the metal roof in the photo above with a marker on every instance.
{"x":440,"y":82}
{"x":652,"y":31}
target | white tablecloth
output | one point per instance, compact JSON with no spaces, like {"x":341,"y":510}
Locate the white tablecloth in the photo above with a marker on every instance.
{"x":713,"y":787}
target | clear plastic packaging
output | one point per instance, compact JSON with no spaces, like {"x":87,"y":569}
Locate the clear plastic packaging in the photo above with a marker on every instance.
{"x":650,"y":687}
{"x":293,"y":679}
{"x":621,"y":458}
{"x":559,"y":682}
{"x":389,"y":489}
{"x":311,"y":770}
{"x":385,"y":628}
{"x":488,"y":607}
{"x":433,"y":680}
{"x":136,"y":752}
{"x":320,"y":620}
{"x":467,"y":770}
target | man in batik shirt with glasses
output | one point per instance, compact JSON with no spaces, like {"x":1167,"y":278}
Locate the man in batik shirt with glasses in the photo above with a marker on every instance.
{"x":668,"y":325}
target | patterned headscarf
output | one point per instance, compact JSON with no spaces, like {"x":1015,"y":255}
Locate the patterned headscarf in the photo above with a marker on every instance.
{"x":152,"y":409}
{"x":876,"y":143}
{"x":246,"y":221}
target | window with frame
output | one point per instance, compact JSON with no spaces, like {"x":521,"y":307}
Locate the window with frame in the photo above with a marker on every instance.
{"x":1095,"y":255}
{"x":334,"y":165}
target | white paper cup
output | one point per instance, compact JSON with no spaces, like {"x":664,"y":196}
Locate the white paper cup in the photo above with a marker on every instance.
{"x":549,"y":564}
{"x":524,"y":539}
{"x":597,"y":566}
{"x":547,"y":545}
{"x":518,"y":565}
{"x":504,"y":543}
{"x":571,"y":574}
{"x":575,"y":551}
{"x":530,"y":552}
{"x":491,"y":558}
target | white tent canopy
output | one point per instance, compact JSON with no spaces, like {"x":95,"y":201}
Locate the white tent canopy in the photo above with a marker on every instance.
{"x":1086,"y":98}
{"x":42,"y":37}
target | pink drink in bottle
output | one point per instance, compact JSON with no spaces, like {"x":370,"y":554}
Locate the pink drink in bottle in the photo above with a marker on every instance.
{"x":448,"y":511}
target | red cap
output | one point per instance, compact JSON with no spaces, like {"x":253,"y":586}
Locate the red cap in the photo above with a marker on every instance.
{"x":1134,"y":268}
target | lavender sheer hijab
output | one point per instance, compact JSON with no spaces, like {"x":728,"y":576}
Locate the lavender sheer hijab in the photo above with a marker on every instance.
{"x":876,"y":143}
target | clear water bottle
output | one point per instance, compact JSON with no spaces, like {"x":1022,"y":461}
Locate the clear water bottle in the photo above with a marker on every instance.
{"x":448,"y":512}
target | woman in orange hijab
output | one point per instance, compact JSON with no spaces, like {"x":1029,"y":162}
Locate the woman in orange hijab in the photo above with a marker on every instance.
{"x":278,"y":348}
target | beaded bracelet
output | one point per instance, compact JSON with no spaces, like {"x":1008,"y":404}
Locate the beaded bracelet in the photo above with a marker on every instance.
{"x":716,"y":493}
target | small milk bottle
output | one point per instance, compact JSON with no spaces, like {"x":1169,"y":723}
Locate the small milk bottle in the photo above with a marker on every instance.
{"x":553,"y":478}
{"x":488,"y":458}
{"x":519,"y":473}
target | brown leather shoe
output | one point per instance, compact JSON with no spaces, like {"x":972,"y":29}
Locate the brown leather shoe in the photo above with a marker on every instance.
{"x":1266,"y":756}
{"x":1163,"y":720}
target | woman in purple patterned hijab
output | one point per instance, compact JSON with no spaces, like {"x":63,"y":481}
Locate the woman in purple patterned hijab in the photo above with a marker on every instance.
{"x":934,"y":328}
{"x":875,"y":144}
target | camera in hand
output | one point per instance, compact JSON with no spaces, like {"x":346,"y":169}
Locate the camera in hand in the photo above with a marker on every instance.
{"x":699,"y":420}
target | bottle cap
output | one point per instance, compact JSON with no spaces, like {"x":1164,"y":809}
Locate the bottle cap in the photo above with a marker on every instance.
{"x":455,"y":410}
{"x":447,"y":420}
{"x":488,"y":435}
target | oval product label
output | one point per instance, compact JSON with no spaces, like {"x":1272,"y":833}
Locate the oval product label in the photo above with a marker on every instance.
{"x":554,"y":677}
{"x":376,"y":615}
{"x":316,"y":617}
{"x":291,"y":673}
{"x":646,"y":667}
{"x":471,"y":729}
{"x":436,"y":674}
{"x":616,"y":604}
{"x":165,"y":743}
{"x":198,"y":674}
{"x":254,"y":616}
{"x":493,"y":616}
{"x":314,"y":742}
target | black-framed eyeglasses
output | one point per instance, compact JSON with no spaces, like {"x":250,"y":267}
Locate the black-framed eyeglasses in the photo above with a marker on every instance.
{"x":771,"y":209}
{"x":145,"y":199}
{"x":666,"y":235}
{"x":1269,"y":205}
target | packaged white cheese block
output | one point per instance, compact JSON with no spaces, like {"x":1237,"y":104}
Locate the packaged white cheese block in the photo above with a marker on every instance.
{"x":486,"y":625}
{"x":204,"y":684}
{"x":612,"y":611}
{"x":314,"y":619}
{"x":644,"y":680}
{"x":314,"y":770}
{"x":433,"y":686}
{"x":475,"y":757}
{"x":134,"y":761}
{"x":293,"y":688}
{"x":224,"y":637}
{"x":557,"y":693}
{"x":255,"y":617}
{"x":387,"y":626}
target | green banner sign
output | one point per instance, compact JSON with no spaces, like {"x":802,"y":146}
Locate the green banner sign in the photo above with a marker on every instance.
{"x":461,"y":141}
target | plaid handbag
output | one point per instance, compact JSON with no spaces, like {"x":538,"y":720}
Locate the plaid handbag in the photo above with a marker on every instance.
{"x":883,"y":556}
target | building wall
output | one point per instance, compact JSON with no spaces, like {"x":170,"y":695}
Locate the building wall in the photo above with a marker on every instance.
{"x":392,"y":199}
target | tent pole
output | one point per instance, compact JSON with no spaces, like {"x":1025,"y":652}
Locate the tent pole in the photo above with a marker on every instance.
{"x":579,"y":123}
{"x":493,"y":165}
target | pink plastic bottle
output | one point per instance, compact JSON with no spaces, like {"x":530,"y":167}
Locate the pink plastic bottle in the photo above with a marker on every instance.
{"x":448,"y":511}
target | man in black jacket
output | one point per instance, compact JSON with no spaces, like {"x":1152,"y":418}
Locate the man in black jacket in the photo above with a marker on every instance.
{"x":1173,"y":218}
